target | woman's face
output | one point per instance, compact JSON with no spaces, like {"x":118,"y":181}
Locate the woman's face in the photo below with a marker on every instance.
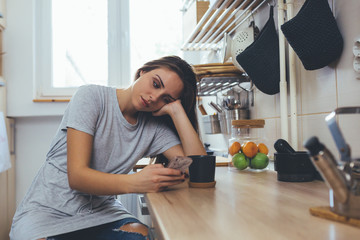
{"x":153,"y":89}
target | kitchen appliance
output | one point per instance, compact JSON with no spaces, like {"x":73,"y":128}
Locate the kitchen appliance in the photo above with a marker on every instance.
{"x":342,"y":177}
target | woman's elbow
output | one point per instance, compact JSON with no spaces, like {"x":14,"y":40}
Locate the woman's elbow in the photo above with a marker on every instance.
{"x":73,"y":181}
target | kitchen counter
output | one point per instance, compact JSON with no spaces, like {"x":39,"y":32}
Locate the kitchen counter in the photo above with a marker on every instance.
{"x":244,"y":205}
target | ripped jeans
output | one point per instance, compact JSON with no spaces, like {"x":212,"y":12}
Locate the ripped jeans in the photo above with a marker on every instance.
{"x":104,"y":232}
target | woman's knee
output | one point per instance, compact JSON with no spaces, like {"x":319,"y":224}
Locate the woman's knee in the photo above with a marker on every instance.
{"x":135,"y":227}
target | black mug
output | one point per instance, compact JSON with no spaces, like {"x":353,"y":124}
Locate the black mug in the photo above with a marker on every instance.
{"x":202,"y":170}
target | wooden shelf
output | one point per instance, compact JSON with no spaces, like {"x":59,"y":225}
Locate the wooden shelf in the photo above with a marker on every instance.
{"x":224,"y":16}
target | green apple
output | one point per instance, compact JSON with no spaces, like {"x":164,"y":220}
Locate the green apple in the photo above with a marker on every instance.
{"x":240,"y":161}
{"x":260,"y":161}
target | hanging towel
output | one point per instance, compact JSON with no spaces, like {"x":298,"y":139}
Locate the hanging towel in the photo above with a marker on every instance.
{"x":314,"y":35}
{"x":260,"y":60}
{"x":5,"y":162}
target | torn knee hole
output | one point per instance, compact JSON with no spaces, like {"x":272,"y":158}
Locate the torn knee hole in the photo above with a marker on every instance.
{"x":134,"y":228}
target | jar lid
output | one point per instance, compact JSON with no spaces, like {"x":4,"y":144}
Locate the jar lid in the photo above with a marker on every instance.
{"x":248,"y":123}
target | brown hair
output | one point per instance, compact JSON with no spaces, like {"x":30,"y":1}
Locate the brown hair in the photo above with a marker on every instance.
{"x":189,"y":93}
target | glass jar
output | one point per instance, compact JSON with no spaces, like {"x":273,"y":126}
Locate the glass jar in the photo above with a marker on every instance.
{"x":248,"y":139}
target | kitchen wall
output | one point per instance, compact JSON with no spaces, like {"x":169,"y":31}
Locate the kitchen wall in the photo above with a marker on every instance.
{"x":319,"y":92}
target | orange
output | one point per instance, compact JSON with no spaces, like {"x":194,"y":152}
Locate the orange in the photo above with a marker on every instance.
{"x":263,"y":148}
{"x":234,"y":148}
{"x":250,"y":149}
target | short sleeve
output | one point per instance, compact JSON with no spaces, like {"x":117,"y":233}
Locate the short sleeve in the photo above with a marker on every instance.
{"x":84,"y":109}
{"x":164,"y":139}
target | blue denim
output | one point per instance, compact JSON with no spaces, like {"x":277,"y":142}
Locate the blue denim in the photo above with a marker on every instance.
{"x":103,"y":232}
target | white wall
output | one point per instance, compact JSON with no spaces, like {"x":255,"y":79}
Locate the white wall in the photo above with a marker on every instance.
{"x":19,"y":65}
{"x":33,"y":136}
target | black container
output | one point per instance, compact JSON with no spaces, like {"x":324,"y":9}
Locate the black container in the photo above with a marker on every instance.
{"x":294,"y":167}
{"x":202,"y":169}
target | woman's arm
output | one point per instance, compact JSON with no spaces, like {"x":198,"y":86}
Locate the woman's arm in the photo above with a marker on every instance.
{"x":190,"y":141}
{"x":81,"y":177}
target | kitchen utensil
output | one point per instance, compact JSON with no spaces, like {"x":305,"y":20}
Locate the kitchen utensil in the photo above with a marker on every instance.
{"x":232,"y":47}
{"x":342,"y":177}
{"x":215,"y":106}
{"x":207,"y":149}
{"x":225,"y":50}
{"x":241,"y":41}
{"x":211,"y":124}
{"x":236,"y":98}
{"x":293,"y":166}
{"x":248,"y":87}
{"x":282,"y":146}
{"x":202,"y":110}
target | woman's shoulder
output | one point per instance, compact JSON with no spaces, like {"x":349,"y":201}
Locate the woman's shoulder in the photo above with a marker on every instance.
{"x":93,"y":88}
{"x":93,"y":91}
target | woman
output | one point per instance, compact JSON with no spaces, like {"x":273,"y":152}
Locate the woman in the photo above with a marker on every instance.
{"x":103,"y":133}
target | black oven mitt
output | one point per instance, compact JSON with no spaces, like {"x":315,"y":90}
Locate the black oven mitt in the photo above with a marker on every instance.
{"x":314,"y":35}
{"x":260,"y":60}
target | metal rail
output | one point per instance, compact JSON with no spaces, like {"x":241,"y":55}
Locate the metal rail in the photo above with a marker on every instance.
{"x":224,"y":16}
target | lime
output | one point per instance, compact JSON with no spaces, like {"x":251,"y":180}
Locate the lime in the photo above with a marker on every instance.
{"x":260,"y":161}
{"x":240,"y":161}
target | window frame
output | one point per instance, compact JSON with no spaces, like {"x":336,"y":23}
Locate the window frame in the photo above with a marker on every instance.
{"x":118,"y":49}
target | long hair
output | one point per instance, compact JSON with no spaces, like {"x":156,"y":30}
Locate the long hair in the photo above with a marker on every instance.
{"x":188,"y":95}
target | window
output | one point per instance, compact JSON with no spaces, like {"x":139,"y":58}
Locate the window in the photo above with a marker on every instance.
{"x":155,"y":30}
{"x":79,"y":42}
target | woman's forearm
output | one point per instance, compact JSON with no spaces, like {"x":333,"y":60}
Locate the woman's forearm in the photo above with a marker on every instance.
{"x":99,"y":183}
{"x":152,"y":178}
{"x":189,"y":138}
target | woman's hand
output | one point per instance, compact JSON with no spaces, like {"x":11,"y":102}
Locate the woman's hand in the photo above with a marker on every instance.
{"x":155,"y":178}
{"x":168,"y":109}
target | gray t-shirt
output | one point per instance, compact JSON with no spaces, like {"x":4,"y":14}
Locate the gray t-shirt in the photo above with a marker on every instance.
{"x":50,"y":206}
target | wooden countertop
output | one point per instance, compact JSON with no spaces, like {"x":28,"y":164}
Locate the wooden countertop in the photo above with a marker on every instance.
{"x":245,"y":205}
